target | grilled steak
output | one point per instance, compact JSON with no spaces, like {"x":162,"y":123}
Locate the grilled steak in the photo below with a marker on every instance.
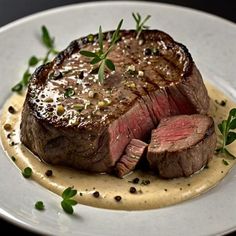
{"x":133,"y":152}
{"x":70,"y":119}
{"x":182,"y":145}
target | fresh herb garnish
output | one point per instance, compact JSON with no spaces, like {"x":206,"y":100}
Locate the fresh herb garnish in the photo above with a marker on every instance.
{"x":226,"y":163}
{"x":67,"y":203}
{"x":226,"y":127}
{"x":140,"y":25}
{"x":27,"y":172}
{"x":39,"y":205}
{"x":101,"y":55}
{"x":48,"y":42}
{"x":69,"y":92}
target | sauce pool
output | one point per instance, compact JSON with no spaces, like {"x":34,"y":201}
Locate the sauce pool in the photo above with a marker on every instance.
{"x":105,"y":191}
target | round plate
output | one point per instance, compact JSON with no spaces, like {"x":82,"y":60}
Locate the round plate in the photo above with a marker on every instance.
{"x":211,"y":41}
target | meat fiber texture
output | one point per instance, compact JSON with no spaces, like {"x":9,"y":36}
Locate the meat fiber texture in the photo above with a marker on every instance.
{"x":182,"y":145}
{"x":133,"y":153}
{"x":155,"y":77}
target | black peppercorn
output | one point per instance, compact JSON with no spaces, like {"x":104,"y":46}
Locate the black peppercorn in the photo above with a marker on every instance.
{"x":96,"y":194}
{"x":81,"y":75}
{"x":148,"y":52}
{"x":48,"y":173}
{"x":117,"y":198}
{"x":11,"y":109}
{"x":132,"y":190}
{"x":135,"y":180}
{"x":222,"y":103}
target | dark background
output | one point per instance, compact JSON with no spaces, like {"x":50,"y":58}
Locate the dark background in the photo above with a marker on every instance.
{"x":11,"y":10}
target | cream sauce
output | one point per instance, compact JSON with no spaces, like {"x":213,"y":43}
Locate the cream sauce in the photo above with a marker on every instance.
{"x":157,"y":194}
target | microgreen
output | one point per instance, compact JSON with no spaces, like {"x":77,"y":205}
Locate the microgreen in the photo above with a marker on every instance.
{"x":100,"y":57}
{"x":67,"y":203}
{"x":226,"y":163}
{"x":27,"y":172}
{"x":48,"y":42}
{"x":39,"y":205}
{"x":226,"y":128}
{"x":140,"y":25}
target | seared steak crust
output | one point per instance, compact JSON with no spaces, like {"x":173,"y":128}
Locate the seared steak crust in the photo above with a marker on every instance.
{"x":155,"y":77}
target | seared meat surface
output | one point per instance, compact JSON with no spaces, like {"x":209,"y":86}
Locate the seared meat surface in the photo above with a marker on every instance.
{"x":70,"y":119}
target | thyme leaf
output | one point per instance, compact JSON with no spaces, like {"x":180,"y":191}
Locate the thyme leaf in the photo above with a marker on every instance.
{"x":48,"y":42}
{"x":140,"y":25}
{"x":100,"y":57}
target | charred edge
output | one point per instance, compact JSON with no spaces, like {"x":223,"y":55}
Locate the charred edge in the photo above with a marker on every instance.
{"x":189,"y":69}
{"x":209,"y":131}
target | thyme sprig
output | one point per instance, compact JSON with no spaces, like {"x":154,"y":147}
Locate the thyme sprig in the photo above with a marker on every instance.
{"x":140,"y":25}
{"x":226,"y":128}
{"x":100,"y":57}
{"x":48,"y":42}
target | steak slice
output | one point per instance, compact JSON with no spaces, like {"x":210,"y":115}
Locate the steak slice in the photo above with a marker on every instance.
{"x":70,"y":119}
{"x":182,"y":145}
{"x":133,"y":152}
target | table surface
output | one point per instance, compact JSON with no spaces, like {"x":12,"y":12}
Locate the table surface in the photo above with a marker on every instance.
{"x":11,"y":10}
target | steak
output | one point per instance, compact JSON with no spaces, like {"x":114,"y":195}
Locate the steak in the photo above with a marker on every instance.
{"x":69,"y":118}
{"x":133,"y":153}
{"x":182,"y":145}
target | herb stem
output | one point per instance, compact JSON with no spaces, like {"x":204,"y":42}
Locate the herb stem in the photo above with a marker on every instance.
{"x":140,"y":25}
{"x":100,"y":56}
{"x":48,"y":42}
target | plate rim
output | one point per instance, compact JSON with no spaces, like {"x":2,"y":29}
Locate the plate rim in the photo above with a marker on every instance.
{"x":16,"y":23}
{"x":94,"y":3}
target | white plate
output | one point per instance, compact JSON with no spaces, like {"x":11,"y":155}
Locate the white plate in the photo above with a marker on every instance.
{"x":211,"y":41}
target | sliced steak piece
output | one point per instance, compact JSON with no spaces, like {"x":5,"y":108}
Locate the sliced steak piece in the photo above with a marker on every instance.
{"x":182,"y":145}
{"x":70,"y":119}
{"x":133,"y":153}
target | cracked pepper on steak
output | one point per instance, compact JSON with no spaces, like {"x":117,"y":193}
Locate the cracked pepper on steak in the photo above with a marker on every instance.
{"x":155,"y":77}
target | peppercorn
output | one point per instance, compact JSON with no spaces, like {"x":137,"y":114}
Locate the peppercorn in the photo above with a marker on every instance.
{"x":81,"y":75}
{"x":96,"y":194}
{"x":11,"y":109}
{"x":135,"y":180}
{"x":7,"y":127}
{"x":118,"y":198}
{"x":222,"y":103}
{"x":148,"y":52}
{"x":132,"y":190}
{"x":48,"y":173}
